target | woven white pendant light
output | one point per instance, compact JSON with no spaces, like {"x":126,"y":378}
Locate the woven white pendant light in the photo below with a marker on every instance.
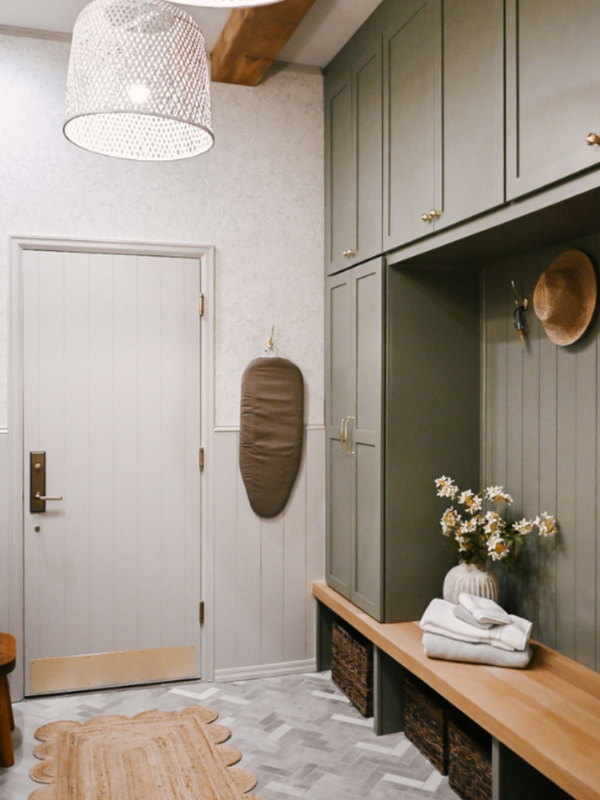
{"x":227,"y":3}
{"x":138,"y":84}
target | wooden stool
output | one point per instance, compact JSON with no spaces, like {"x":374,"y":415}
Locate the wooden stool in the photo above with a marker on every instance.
{"x":8,"y":659}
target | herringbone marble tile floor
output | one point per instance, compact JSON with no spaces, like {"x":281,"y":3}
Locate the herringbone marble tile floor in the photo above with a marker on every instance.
{"x":297,"y":733}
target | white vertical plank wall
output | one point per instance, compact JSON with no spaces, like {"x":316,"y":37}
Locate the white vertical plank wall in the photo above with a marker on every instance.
{"x":264,"y":610}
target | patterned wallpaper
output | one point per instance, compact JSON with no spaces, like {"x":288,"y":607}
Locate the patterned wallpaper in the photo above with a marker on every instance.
{"x":257,"y":197}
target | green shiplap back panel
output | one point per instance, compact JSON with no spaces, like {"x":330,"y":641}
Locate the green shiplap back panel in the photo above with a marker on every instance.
{"x":432,"y":423}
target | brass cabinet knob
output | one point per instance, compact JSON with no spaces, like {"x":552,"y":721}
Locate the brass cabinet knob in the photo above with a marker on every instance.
{"x":434,"y":213}
{"x":593,"y":138}
{"x":349,"y":253}
{"x":426,"y":217}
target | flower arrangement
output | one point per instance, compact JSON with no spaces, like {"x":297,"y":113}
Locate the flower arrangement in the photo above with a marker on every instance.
{"x":478,"y":534}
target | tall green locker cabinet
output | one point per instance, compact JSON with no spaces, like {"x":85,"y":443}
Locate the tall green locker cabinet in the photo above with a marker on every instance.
{"x":402,"y":408}
{"x":354,"y":388}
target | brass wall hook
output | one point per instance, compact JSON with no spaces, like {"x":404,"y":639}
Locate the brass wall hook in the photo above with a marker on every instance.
{"x":270,"y":349}
{"x":519,"y":314}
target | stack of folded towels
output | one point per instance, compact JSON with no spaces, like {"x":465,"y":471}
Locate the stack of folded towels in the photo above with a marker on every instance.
{"x":475,"y":629}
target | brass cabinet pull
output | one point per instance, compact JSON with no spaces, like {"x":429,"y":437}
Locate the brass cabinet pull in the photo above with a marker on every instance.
{"x":435,"y":214}
{"x":426,"y":217}
{"x":343,"y":433}
{"x":349,"y":253}
{"x":350,"y":452}
{"x":593,"y":138}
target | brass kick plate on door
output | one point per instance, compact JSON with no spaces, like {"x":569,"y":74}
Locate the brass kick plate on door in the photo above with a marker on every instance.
{"x":37,"y":481}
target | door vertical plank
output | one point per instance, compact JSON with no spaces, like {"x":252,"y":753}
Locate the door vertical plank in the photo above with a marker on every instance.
{"x":548,"y":411}
{"x":31,"y":399}
{"x":271,"y":603}
{"x":52,"y":375}
{"x":150,"y":481}
{"x":315,"y":527}
{"x":77,"y":453}
{"x":531,"y":444}
{"x":225,"y":520}
{"x":585,"y":354}
{"x":191,"y":402}
{"x":171,"y":572}
{"x":102,"y":455}
{"x":294,"y":567}
{"x":126,"y":454}
{"x":566,"y":493}
{"x":248,"y":596}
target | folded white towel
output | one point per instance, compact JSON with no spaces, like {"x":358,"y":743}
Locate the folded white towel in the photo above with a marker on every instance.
{"x":466,"y":616}
{"x":454,"y":650}
{"x":484,"y":610}
{"x":439,"y":618}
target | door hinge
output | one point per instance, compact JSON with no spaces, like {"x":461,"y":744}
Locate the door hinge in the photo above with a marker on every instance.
{"x":201,"y":613}
{"x":201,"y":305}
{"x":201,"y":458}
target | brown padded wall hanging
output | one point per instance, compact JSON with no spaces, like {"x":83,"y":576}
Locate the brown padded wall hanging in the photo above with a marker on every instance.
{"x":271,"y":432}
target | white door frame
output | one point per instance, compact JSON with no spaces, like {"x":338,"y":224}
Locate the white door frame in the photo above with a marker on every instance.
{"x":206,"y":255}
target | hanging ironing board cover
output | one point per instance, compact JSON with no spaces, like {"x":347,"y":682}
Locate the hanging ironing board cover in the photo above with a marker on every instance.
{"x":271,"y":432}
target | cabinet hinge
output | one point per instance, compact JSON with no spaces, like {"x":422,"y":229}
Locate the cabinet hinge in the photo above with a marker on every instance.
{"x":201,"y":612}
{"x":201,"y":305}
{"x":201,"y":458}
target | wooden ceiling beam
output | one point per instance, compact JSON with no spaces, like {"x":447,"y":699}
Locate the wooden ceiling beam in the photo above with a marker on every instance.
{"x":253,"y":38}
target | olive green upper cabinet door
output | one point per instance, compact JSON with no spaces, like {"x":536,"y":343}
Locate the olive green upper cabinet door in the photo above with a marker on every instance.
{"x":553,"y":90}
{"x":412,"y":51}
{"x":473,"y":110}
{"x":340,"y":172}
{"x":367,"y":75}
{"x":353,"y":153}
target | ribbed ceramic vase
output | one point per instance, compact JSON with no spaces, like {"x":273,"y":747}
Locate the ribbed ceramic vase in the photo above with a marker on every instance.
{"x":471,"y":579}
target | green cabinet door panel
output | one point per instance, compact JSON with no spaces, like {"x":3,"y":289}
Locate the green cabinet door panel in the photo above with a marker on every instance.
{"x":473,"y":109}
{"x":354,"y":390}
{"x":367,"y":585}
{"x":412,"y":122}
{"x":340,"y":183}
{"x":339,"y":379}
{"x":553,"y":90}
{"x":353,"y":161}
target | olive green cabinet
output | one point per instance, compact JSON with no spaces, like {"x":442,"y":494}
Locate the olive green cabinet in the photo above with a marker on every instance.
{"x":353,"y":153}
{"x":553,"y":91}
{"x":354,"y":385}
{"x":443,"y":115}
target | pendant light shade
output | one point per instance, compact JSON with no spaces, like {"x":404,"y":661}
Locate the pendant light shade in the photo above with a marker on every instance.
{"x":138,"y":84}
{"x":227,"y":3}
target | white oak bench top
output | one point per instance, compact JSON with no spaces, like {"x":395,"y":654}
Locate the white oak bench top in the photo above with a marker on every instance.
{"x":549,"y":714}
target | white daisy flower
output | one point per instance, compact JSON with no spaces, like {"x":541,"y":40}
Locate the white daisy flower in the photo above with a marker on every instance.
{"x":446,"y":487}
{"x":497,"y":494}
{"x":546,"y":524}
{"x":523,"y":526}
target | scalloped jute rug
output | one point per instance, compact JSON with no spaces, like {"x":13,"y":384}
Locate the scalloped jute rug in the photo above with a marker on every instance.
{"x":153,"y":756}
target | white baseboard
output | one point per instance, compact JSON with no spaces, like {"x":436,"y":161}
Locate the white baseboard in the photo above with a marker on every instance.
{"x":265,"y":670}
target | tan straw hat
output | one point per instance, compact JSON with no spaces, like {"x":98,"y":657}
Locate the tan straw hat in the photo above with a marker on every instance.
{"x":565,"y":297}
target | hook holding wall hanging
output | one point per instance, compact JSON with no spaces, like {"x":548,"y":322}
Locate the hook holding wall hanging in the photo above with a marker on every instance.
{"x":519,"y":314}
{"x":270,"y":351}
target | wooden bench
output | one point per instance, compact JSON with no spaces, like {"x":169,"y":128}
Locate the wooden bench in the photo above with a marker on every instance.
{"x":544,"y":721}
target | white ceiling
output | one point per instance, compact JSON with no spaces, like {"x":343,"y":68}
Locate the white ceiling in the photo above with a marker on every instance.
{"x":325,"y":29}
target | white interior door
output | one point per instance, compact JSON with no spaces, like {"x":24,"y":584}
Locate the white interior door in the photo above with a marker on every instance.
{"x":111,"y":367}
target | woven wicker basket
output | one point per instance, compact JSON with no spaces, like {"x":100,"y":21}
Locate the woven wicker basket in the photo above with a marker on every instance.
{"x":426,"y":722}
{"x":352,"y":667}
{"x":470,"y":759}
